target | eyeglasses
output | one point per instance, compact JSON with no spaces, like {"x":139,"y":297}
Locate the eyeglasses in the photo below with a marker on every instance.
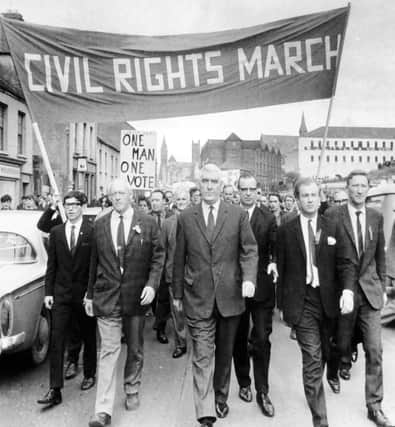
{"x":245,"y":189}
{"x":72,"y":205}
{"x":341,"y":201}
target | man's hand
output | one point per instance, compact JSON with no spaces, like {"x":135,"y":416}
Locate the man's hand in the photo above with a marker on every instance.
{"x":48,"y":302}
{"x":347,"y":302}
{"x":88,"y":307}
{"x":147,"y":295}
{"x":385,"y":298}
{"x":272,"y":269}
{"x":247,"y":289}
{"x":177,"y":303}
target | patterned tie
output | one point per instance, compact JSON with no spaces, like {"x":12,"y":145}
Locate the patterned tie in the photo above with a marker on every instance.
{"x":210,"y":223}
{"x":72,"y":239}
{"x":313,"y":259}
{"x":121,"y":242}
{"x":359,"y":234}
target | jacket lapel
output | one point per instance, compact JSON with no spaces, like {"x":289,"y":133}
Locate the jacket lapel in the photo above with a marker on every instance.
{"x":299,"y":236}
{"x":369,"y":227}
{"x":64,"y":238}
{"x":83,"y":230}
{"x":136,"y":220}
{"x":198,"y":214}
{"x":107,"y":231}
{"x":348,"y":227}
{"x":221,"y":217}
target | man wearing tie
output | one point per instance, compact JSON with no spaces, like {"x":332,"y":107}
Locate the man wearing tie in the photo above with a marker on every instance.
{"x":309,"y":253}
{"x":259,"y":308}
{"x":66,"y":281}
{"x":363,"y":231}
{"x":126,"y":265}
{"x":215,"y":268}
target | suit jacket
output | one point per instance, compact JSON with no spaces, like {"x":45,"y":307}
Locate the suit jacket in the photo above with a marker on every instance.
{"x":333,"y":262}
{"x":143,"y":263}
{"x":67,"y":273}
{"x":48,"y":220}
{"x":169,"y":231}
{"x":264,"y":227}
{"x":208,"y":272}
{"x":369,"y":272}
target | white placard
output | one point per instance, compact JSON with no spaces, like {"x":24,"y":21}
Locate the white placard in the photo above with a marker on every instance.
{"x":138,"y":158}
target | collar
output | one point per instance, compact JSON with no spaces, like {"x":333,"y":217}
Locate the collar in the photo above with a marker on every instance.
{"x":76,"y":224}
{"x":215,"y":205}
{"x":306,"y":220}
{"x":127,"y":215}
{"x":352,"y":210}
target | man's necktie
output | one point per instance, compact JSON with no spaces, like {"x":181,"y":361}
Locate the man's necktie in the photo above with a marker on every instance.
{"x":121,"y":242}
{"x":159,"y":221}
{"x":359,"y":233}
{"x":72,"y":239}
{"x":313,"y":260}
{"x":210,"y":223}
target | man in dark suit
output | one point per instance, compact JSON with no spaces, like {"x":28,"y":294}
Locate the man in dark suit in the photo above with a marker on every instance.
{"x":309,"y":253}
{"x":363,"y":231}
{"x":126,"y":266}
{"x":66,"y":282}
{"x":259,"y":308}
{"x":215,"y":267}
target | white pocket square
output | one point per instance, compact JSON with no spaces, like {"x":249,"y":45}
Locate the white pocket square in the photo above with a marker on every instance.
{"x":331,"y":241}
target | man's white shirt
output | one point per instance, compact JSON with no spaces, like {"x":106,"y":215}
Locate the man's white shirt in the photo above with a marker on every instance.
{"x":311,"y":276}
{"x":362,"y":217}
{"x":206,"y":211}
{"x":127,"y":222}
{"x":76,"y":231}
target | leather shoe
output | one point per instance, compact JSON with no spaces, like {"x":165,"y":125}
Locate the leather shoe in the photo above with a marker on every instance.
{"x":53,"y":397}
{"x":222,"y":409}
{"x":334,"y":384}
{"x":265,"y":404}
{"x":345,"y":374}
{"x":161,"y":337}
{"x":71,"y":371}
{"x":132,"y":401}
{"x":379,"y":418}
{"x":88,"y":383}
{"x":178,"y":352}
{"x":100,"y":419}
{"x":245,"y":394}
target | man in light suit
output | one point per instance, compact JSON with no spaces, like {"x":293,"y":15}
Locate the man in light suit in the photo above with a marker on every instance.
{"x":363,"y":231}
{"x":309,"y":253}
{"x":260,"y":308}
{"x":126,"y":266}
{"x":215,"y":267}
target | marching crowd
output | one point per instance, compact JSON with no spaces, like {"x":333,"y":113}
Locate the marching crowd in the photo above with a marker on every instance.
{"x":217,"y":262}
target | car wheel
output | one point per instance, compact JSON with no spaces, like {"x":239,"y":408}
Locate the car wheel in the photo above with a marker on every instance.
{"x":40,"y":347}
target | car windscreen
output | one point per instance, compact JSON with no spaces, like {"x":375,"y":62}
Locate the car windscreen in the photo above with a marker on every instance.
{"x":15,"y":249}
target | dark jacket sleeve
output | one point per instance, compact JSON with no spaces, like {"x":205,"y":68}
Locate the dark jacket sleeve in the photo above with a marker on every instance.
{"x":92,"y":264}
{"x":48,"y":220}
{"x":272,"y":239}
{"x":50,"y":274}
{"x":345,"y":268}
{"x":179,"y":260}
{"x":158,"y":256}
{"x":248,"y":250}
{"x":380,"y":254}
{"x":280,"y":258}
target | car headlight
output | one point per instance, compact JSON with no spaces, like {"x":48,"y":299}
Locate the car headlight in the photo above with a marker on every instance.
{"x":5,"y":317}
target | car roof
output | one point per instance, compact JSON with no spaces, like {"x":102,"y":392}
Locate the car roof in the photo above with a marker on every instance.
{"x":22,"y":222}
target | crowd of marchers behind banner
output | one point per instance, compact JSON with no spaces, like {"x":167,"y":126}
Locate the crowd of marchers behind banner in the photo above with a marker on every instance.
{"x":212,"y":259}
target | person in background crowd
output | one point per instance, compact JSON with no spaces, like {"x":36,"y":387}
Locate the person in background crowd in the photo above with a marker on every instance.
{"x":215,"y":268}
{"x":169,"y":240}
{"x":340,"y":198}
{"x":363,"y":231}
{"x":161,"y":304}
{"x":29,"y":203}
{"x":314,"y":268}
{"x":260,"y":307}
{"x":195,"y":195}
{"x":236,"y":198}
{"x":289,"y":203}
{"x":169,"y":200}
{"x":66,"y":282}
{"x":6,"y":202}
{"x":105,"y":202}
{"x":264,"y":201}
{"x":122,"y":284}
{"x":227,"y":193}
{"x":275,"y":208}
{"x":144,"y":205}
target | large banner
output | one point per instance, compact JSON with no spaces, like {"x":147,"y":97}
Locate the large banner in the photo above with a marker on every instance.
{"x":73,"y":75}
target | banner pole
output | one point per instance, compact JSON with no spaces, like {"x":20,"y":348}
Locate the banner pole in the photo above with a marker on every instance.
{"x":48,"y":167}
{"x":333,"y":95}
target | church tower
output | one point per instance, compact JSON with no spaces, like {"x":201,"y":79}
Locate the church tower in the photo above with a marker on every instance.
{"x":303,"y":127}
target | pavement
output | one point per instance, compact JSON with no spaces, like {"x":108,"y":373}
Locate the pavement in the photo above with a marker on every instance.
{"x":166,"y":395}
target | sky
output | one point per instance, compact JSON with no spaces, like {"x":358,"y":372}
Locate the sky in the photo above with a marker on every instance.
{"x":366,"y":82}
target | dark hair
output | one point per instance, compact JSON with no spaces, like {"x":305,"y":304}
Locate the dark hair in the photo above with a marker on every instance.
{"x":357,"y":172}
{"x":192,"y":191}
{"x":6,"y":198}
{"x":79,"y":195}
{"x":244,"y":175}
{"x":105,"y":199}
{"x":29,"y":197}
{"x":144,"y":199}
{"x":302,"y":181}
{"x":289,"y":196}
{"x":158,"y":190}
{"x":275,"y":195}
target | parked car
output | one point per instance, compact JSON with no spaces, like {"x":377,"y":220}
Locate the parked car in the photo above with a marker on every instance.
{"x":24,"y":321}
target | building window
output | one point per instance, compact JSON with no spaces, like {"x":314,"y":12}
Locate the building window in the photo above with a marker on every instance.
{"x":311,"y":158}
{"x":335,"y":158}
{"x":383,"y":158}
{"x":21,"y":132}
{"x":105,"y":163}
{"x":100,"y":161}
{"x":376,"y":145}
{"x":328,"y":159}
{"x":344,"y":159}
{"x":368,"y":159}
{"x":3,"y":113}
{"x":312,"y":144}
{"x":360,"y":159}
{"x":84,"y":141}
{"x":376,"y":159}
{"x":352,"y":158}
